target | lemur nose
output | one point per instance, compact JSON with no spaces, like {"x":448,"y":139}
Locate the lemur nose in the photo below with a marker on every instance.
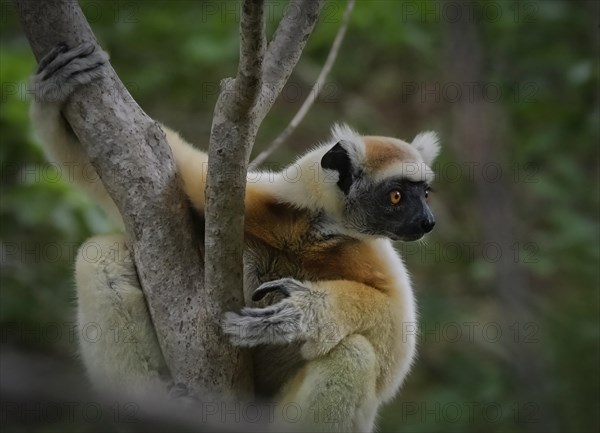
{"x":427,"y":224}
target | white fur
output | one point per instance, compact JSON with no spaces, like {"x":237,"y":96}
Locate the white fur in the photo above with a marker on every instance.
{"x":428,"y":145}
{"x":356,"y":150}
{"x":116,"y":337}
{"x":69,"y":157}
{"x":405,"y":320}
{"x":305,"y":183}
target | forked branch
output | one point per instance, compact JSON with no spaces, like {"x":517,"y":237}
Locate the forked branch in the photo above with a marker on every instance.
{"x":240,"y":109}
{"x":314,"y":91}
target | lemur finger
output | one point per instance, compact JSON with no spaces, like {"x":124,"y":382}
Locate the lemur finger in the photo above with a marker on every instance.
{"x":75,"y":69}
{"x":62,"y":58}
{"x":69,"y":70}
{"x":278,"y":328}
{"x":50,"y":56}
{"x":284,"y":285}
{"x":262,"y":312}
{"x":235,"y":327}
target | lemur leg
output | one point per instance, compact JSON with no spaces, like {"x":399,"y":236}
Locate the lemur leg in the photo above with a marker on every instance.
{"x":319,"y":314}
{"x":116,"y":337}
{"x":335,"y":392}
{"x":59,"y":74}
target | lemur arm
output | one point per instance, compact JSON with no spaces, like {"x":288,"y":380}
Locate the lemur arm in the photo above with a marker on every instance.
{"x":319,"y":313}
{"x":57,"y":77}
{"x":116,"y":339}
{"x":63,"y":149}
{"x":192,"y":165}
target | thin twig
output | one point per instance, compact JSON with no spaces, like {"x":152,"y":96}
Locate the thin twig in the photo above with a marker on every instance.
{"x":253,"y":44}
{"x":285,"y":50}
{"x":314,"y":92}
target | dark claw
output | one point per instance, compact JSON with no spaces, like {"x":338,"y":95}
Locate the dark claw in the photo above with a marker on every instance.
{"x":285,"y":286}
{"x":84,"y":49}
{"x":63,"y":70}
{"x":51,"y":55}
{"x":261,"y":312}
{"x":262,"y":291}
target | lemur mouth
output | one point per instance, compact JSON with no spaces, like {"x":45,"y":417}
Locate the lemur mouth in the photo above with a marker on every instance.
{"x":411,"y":237}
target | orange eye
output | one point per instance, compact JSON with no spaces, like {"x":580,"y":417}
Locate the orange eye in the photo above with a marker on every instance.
{"x":395,"y":197}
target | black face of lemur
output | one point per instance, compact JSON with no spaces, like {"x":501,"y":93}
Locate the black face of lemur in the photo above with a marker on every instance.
{"x":395,"y":208}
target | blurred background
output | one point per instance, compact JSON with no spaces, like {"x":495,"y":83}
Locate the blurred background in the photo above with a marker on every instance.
{"x":508,"y":282}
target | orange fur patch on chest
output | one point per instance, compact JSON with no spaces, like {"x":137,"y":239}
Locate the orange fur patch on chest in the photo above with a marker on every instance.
{"x":346,"y":259}
{"x":288,"y":234}
{"x":274,"y":223}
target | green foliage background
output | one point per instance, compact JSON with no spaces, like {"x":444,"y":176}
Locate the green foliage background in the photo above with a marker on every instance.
{"x":172,"y":55}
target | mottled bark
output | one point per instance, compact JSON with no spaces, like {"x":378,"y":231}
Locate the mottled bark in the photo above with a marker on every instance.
{"x":242,"y":105}
{"x":231,"y":139}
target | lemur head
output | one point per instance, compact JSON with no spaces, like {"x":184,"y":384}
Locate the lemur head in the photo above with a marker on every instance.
{"x":384,"y":182}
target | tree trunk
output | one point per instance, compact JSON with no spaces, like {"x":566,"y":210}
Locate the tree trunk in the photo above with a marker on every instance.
{"x":130,"y":153}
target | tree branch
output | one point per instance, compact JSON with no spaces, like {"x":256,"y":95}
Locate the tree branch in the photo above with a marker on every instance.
{"x":285,"y":49}
{"x":236,"y":120}
{"x":252,"y":52}
{"x":314,"y":92}
{"x":129,"y":151}
{"x":232,"y":137}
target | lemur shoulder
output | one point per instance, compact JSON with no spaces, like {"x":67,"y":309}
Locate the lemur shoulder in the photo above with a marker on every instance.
{"x":329,"y":301}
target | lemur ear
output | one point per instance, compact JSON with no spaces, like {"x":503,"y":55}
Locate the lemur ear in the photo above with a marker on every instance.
{"x":428,"y":145}
{"x":337,"y":158}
